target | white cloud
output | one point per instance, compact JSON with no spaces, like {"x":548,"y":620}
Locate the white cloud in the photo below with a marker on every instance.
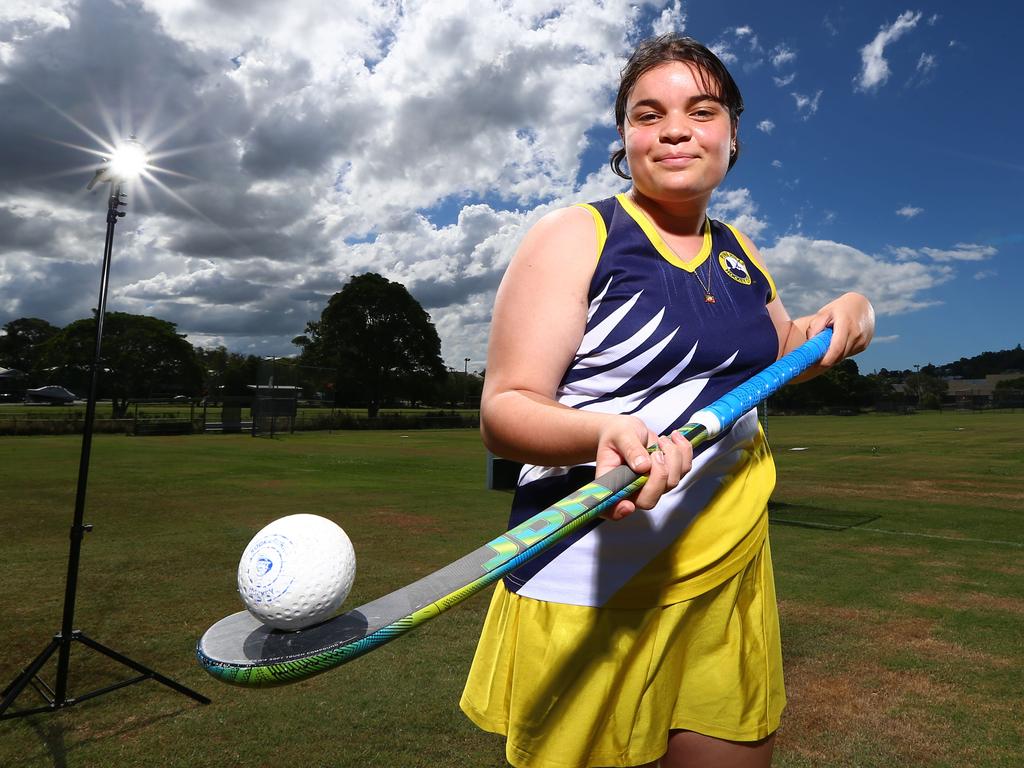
{"x":781,"y":55}
{"x":926,"y":65}
{"x":671,"y":19}
{"x":909,"y":211}
{"x":776,"y":163}
{"x":959,"y":252}
{"x":874,"y":67}
{"x":722,"y":50}
{"x":322,"y":147}
{"x":809,"y":273}
{"x":806,"y":106}
{"x":737,"y":207}
{"x":785,"y":80}
{"x":984,"y":274}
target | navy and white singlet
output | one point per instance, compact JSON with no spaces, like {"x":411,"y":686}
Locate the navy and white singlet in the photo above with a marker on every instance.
{"x":656,"y":347}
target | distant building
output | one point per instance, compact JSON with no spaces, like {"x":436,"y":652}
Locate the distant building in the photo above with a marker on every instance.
{"x":975,"y":393}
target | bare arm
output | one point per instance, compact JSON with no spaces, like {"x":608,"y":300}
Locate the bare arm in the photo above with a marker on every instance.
{"x":851,"y":318}
{"x":540,"y":314}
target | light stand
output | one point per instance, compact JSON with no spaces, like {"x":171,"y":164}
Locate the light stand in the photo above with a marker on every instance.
{"x":57,"y":697}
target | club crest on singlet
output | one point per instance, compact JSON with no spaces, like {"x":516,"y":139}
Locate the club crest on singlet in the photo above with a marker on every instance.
{"x":734,"y":267}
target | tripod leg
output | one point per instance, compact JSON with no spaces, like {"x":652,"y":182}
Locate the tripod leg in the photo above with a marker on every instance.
{"x":140,"y":668}
{"x":12,"y":691}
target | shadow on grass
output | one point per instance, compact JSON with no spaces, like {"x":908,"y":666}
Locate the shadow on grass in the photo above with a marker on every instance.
{"x":805,"y":516}
{"x":52,"y":729}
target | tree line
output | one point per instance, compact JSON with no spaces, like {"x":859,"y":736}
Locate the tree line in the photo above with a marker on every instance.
{"x":375,"y":346}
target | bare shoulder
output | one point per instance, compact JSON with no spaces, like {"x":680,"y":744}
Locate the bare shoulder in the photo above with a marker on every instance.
{"x":540,"y":310}
{"x":561,"y":246}
{"x":570,"y":231}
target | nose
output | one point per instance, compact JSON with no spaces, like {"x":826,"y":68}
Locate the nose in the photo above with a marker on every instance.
{"x":675,"y":128}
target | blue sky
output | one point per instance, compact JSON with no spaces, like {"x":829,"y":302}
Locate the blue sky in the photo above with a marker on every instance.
{"x":295,"y":148}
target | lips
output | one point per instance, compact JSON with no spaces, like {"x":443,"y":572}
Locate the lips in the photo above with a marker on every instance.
{"x":675,"y":160}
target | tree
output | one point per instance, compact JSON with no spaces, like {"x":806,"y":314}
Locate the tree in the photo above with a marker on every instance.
{"x":140,"y":356}
{"x":227,"y":373}
{"x":378,"y":340}
{"x":926,"y":387}
{"x":22,"y":341}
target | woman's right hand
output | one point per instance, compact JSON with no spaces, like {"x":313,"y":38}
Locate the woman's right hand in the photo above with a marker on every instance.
{"x":624,"y":440}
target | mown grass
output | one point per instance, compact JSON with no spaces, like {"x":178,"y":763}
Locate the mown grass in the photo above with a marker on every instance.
{"x":903,"y":635}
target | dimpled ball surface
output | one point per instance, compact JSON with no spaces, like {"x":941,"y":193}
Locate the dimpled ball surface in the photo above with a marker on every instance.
{"x":297,"y":571}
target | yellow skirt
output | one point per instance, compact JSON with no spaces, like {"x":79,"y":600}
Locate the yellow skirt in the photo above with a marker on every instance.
{"x":572,"y":686}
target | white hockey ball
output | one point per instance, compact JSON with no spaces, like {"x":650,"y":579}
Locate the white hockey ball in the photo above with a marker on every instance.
{"x":297,"y":571}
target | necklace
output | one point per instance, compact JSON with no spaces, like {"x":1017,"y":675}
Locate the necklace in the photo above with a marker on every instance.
{"x":709,"y":297}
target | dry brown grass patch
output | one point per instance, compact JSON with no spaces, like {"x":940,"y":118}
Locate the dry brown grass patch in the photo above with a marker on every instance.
{"x":831,"y":713}
{"x":405,"y":522}
{"x":837,"y":703}
{"x":963,"y":601}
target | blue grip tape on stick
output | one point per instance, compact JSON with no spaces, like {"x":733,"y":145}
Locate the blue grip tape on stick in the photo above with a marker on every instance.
{"x":727,"y":409}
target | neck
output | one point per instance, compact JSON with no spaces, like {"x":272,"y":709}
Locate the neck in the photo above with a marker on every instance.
{"x":681,"y":218}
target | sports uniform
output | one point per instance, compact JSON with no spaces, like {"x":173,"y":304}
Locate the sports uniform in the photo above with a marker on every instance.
{"x":666,"y":619}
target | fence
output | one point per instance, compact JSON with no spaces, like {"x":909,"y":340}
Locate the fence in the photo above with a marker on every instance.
{"x":163,"y":418}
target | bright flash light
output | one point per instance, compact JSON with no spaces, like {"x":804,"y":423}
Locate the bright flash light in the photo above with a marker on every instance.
{"x":129,"y":160}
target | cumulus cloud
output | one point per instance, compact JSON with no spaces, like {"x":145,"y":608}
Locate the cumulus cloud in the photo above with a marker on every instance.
{"x":306,"y":148}
{"x":302,"y":148}
{"x":809,"y":273}
{"x":671,"y":19}
{"x":874,"y":67}
{"x":737,"y":206}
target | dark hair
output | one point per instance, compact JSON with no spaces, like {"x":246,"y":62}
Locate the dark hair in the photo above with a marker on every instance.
{"x":654,"y":52}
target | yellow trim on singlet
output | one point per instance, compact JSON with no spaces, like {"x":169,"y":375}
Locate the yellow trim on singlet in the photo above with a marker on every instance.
{"x":658,"y":241}
{"x":602,"y":230}
{"x":771,"y":283}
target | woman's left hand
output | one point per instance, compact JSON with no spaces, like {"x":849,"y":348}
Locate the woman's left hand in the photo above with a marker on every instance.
{"x":852,"y":320}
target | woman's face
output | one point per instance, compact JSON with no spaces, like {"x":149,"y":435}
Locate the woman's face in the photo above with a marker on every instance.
{"x":677,"y":136}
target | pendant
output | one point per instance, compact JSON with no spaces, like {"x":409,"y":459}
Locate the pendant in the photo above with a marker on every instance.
{"x":709,"y":299}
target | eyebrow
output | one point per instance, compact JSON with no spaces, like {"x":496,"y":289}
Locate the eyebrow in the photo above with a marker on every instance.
{"x":692,"y":100}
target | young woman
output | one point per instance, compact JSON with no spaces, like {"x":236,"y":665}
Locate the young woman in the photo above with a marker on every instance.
{"x":652,"y":637}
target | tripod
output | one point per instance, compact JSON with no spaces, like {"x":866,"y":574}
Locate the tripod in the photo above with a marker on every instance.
{"x":56,"y":697}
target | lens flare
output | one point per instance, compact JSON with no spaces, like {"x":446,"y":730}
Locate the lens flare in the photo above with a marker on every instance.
{"x":129,"y":160}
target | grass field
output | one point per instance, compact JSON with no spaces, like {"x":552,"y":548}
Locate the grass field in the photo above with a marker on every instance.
{"x":898,"y":547}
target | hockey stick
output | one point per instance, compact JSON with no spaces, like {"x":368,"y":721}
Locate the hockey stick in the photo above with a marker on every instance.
{"x":240,"y":650}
